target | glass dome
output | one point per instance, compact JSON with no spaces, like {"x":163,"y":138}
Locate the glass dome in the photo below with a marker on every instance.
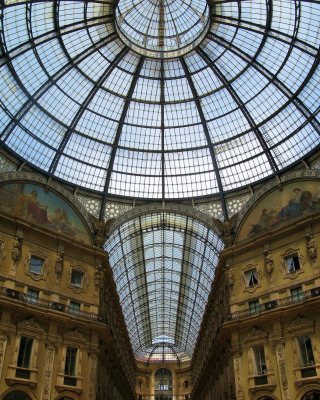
{"x":237,"y":103}
{"x":162,"y":28}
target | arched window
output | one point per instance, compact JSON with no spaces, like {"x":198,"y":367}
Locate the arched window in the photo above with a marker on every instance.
{"x":312,"y":395}
{"x":17,"y":395}
{"x":163,"y":384}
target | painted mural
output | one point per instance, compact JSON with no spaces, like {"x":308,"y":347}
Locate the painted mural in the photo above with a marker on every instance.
{"x":282,"y":206}
{"x":43,"y":207}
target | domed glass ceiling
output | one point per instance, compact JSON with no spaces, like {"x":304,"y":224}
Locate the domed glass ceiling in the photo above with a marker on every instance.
{"x":80,"y":105}
{"x":162,"y":28}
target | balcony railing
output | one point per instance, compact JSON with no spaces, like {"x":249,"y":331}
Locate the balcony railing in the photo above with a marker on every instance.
{"x":270,"y":305}
{"x":47,"y":304}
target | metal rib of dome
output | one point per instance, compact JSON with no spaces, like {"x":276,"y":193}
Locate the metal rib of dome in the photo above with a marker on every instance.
{"x":163,"y":265}
{"x":81,"y":106}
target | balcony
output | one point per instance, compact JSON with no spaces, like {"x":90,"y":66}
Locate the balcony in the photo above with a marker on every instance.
{"x":274,"y":304}
{"x":46,"y":304}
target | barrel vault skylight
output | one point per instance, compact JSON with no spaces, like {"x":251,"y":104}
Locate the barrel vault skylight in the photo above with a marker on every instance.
{"x":163,"y":264}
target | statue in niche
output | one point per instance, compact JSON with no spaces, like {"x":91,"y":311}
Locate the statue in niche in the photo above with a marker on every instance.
{"x":230,"y":279}
{"x":59,"y":265}
{"x":97,"y":277}
{"x":16,"y":248}
{"x":268,"y":262}
{"x":102,"y":231}
{"x":226,"y":228}
{"x":312,"y":248}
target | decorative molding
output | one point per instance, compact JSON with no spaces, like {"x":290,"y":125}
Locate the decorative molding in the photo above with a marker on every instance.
{"x":169,"y":208}
{"x":255,"y":336}
{"x":43,"y":255}
{"x":75,"y":337}
{"x":245,"y":287}
{"x":284,"y":267}
{"x":30,"y":325}
{"x":2,"y":251}
{"x":48,"y":372}
{"x":301,"y":325}
{"x":85,"y":281}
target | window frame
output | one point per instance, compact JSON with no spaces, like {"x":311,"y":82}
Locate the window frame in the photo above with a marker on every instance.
{"x":74,"y":272}
{"x":29,"y":341}
{"x":36,"y":272}
{"x":251,"y":275}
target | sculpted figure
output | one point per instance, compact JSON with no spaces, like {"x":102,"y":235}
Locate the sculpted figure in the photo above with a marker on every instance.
{"x":59,"y":264}
{"x":268,"y":263}
{"x":16,"y":248}
{"x":312,"y":248}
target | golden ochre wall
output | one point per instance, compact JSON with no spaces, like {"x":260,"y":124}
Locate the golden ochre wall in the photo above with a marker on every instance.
{"x":274,"y":312}
{"x":52,"y":230}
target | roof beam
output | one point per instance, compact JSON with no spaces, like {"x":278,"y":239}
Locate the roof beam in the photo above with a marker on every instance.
{"x":207,"y":135}
{"x":118,"y":135}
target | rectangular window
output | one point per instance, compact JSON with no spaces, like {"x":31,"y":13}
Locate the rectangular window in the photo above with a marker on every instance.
{"x":35,"y":265}
{"x":292,"y":263}
{"x":259,"y":360}
{"x":70,"y":367}
{"x":24,"y":358}
{"x":32,"y":296}
{"x":251,"y":277}
{"x":77,"y":278}
{"x":71,"y":360}
{"x":306,"y":354}
{"x":74,"y":307}
{"x":306,"y":351}
{"x":254,"y":307}
{"x":297,"y":294}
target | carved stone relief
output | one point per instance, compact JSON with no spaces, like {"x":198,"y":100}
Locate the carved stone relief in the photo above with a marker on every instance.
{"x":312,"y":250}
{"x":2,"y":251}
{"x":59,"y":265}
{"x":238,"y":377}
{"x":16,"y":254}
{"x":3,"y":347}
{"x":268,"y":263}
{"x":92,"y":375}
{"x":49,"y":363}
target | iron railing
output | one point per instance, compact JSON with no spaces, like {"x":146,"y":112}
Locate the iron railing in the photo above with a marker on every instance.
{"x":270,"y":305}
{"x":47,"y":304}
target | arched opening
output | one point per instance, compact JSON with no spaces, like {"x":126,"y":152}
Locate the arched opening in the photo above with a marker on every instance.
{"x":163,"y":384}
{"x":312,"y":395}
{"x":17,"y":395}
{"x":65,"y":398}
{"x":265,"y":398}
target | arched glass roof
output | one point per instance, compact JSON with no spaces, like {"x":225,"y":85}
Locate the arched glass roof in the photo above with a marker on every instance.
{"x":163,"y":264}
{"x":82,"y":106}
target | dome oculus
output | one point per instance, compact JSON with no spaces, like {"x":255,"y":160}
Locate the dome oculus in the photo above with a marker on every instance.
{"x":162,"y":28}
